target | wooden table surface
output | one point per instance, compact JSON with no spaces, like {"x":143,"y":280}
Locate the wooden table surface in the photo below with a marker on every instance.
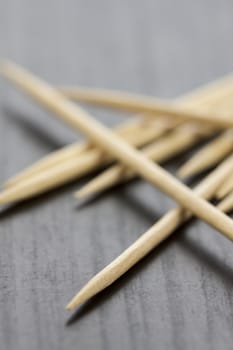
{"x":180,"y":296}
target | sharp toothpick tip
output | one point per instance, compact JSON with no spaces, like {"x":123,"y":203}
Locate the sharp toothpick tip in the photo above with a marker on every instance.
{"x":183,"y":173}
{"x":79,"y":194}
{"x":68,"y":307}
{"x":76,"y":195}
{"x":72,"y":304}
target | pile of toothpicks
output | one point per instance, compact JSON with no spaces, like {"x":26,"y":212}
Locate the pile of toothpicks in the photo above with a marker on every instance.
{"x":160,"y":131}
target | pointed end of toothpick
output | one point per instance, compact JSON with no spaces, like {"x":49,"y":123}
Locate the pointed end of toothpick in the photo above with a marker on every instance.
{"x":75,"y":302}
{"x":183,"y":173}
{"x":77,"y":195}
{"x":222,"y":192}
{"x":227,"y":204}
{"x":81,"y":193}
{"x":68,"y":307}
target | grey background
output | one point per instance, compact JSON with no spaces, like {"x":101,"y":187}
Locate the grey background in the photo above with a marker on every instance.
{"x":180,"y":297}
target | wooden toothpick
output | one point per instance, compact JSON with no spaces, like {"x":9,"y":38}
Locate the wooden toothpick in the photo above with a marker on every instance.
{"x":137,"y":134}
{"x":226,"y":188}
{"x":150,"y":105}
{"x":227,"y":203}
{"x":217,"y":90}
{"x":208,"y":156}
{"x":49,"y":179}
{"x":160,"y":151}
{"x":149,"y":240}
{"x":51,"y":160}
{"x":114,"y":145}
{"x":64,"y":171}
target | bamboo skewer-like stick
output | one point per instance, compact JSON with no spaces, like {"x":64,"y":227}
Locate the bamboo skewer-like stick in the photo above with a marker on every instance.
{"x":217,"y":90}
{"x":149,"y":240}
{"x":160,"y":151}
{"x":61,"y":173}
{"x":213,"y":94}
{"x":137,"y":134}
{"x":51,"y":178}
{"x":227,"y":203}
{"x":51,"y":160}
{"x":208,"y":156}
{"x":114,"y":145}
{"x":226,"y":188}
{"x":152,"y":106}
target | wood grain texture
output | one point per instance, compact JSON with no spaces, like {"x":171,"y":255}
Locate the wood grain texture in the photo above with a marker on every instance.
{"x":181,"y":295}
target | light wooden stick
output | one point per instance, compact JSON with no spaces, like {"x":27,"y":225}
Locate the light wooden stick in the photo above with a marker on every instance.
{"x":159,"y":151}
{"x":152,"y":106}
{"x":114,"y":145}
{"x":137,"y":134}
{"x":217,"y":90}
{"x":54,"y":158}
{"x":51,"y":178}
{"x":227,"y":203}
{"x":149,"y":240}
{"x":212,"y":95}
{"x":59,"y":174}
{"x":226,"y":188}
{"x":208,"y":156}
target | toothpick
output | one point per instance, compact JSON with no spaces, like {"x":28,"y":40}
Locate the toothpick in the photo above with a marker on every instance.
{"x":54,"y":158}
{"x":150,"y":105}
{"x":68,"y":170}
{"x":159,"y":151}
{"x":217,"y":90}
{"x":149,"y":240}
{"x":114,"y":145}
{"x":208,"y":156}
{"x":227,"y":203}
{"x":137,"y":134}
{"x":226,"y":188}
{"x":49,"y":179}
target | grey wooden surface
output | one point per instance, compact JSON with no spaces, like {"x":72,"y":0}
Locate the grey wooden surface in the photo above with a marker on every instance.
{"x":179,"y":297}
